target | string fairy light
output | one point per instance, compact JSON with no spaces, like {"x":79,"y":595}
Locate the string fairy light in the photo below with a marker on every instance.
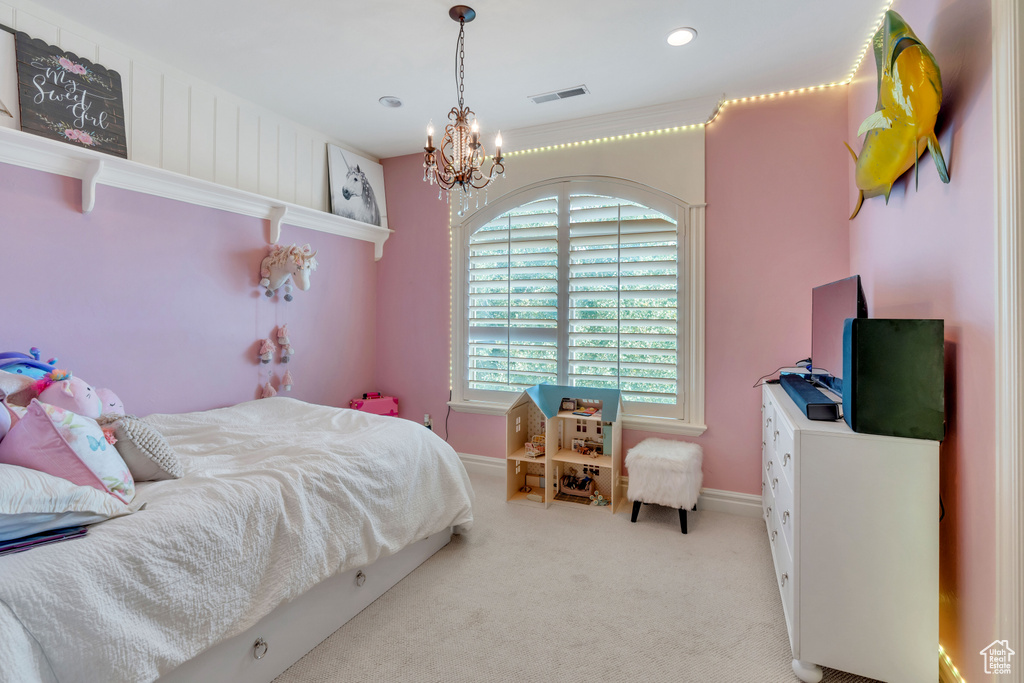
{"x":952,"y":668}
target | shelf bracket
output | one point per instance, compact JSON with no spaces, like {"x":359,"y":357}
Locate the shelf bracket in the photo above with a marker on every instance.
{"x":90,"y":178}
{"x":277,"y":216}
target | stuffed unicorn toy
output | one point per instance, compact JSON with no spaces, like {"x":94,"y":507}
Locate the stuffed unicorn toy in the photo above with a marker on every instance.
{"x":287,"y":263}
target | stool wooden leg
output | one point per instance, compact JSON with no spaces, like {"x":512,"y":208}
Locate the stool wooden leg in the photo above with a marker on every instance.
{"x":682,"y":519}
{"x":636,"y":510}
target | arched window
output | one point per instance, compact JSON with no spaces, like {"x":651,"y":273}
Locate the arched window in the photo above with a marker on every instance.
{"x":582,"y":282}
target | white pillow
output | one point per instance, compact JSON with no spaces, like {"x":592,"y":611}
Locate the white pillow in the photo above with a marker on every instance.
{"x":33,"y":501}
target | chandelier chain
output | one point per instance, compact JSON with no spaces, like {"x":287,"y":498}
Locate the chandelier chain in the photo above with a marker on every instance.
{"x":460,"y":52}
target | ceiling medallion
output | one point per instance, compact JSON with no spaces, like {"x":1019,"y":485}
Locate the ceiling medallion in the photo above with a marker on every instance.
{"x":458,"y":163}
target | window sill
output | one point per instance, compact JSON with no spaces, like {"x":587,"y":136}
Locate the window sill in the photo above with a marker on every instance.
{"x":480,"y":407}
{"x":660,"y":425}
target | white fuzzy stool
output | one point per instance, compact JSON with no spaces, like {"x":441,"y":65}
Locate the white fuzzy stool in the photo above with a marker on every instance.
{"x":665,"y":472}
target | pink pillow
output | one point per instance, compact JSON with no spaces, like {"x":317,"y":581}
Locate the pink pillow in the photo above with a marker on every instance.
{"x":58,"y":442}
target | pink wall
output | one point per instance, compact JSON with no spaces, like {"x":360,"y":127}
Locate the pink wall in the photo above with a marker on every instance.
{"x":157,"y":299}
{"x":776,"y":228}
{"x":776,"y":183}
{"x":413,"y":326}
{"x":930,"y":254}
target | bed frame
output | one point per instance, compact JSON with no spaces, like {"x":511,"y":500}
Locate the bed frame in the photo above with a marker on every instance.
{"x":281,"y":638}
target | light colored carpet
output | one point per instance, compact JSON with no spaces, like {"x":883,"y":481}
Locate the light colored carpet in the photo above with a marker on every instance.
{"x":566,"y":594}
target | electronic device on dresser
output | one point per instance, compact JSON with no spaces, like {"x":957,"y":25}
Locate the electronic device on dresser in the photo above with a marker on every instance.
{"x":831,"y":306}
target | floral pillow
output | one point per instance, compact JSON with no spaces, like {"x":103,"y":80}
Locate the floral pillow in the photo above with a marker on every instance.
{"x":58,"y":442}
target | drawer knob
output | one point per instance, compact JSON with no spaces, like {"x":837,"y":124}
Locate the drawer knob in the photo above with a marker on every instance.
{"x":774,"y":482}
{"x":785,"y":516}
{"x":785,"y":576}
{"x":259,"y":649}
{"x":785,"y":459}
{"x":769,"y":465}
{"x":767,"y":422}
{"x":769,"y":511}
{"x":775,"y":436}
{"x":775,"y":533}
{"x":360,"y":578}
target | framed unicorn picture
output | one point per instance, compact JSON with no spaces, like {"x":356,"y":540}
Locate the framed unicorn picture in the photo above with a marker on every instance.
{"x":357,"y":187}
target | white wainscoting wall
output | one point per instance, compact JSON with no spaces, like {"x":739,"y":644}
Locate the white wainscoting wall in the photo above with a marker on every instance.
{"x":177,"y":122}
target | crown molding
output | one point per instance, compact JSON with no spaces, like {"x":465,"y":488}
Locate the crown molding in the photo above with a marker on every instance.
{"x":670,"y":115}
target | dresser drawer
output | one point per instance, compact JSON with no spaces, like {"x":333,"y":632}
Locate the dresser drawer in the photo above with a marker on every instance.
{"x":767,"y":500}
{"x":785,"y":449}
{"x":768,"y":410}
{"x":784,"y":504}
{"x":785,"y":577}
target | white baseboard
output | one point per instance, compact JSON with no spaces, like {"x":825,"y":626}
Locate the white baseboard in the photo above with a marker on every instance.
{"x":715,"y":500}
{"x":481,"y":464}
{"x":743,"y":504}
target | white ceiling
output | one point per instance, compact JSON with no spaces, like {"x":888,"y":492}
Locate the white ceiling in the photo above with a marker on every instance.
{"x":325,"y":63}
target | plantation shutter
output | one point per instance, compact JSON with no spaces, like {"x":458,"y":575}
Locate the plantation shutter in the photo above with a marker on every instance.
{"x":513,"y":299}
{"x":623,"y":281}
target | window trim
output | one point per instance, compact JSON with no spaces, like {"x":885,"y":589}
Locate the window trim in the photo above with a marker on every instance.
{"x":690,"y":222}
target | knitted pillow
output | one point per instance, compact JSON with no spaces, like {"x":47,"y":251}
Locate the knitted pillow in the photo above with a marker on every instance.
{"x":145,"y":451}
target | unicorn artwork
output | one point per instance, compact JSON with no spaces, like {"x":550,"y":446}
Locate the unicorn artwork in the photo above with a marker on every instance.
{"x":354,"y":196}
{"x":286,"y":265}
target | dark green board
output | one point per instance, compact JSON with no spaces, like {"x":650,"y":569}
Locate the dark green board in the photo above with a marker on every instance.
{"x":893,"y":377}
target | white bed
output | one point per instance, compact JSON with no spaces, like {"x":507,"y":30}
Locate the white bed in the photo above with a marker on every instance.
{"x":278,"y":497}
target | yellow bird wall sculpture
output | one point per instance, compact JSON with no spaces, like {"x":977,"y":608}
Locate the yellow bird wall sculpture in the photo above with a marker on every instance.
{"x":903,"y":125}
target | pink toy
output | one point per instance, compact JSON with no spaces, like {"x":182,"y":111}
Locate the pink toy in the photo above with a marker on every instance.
{"x":268,"y":390}
{"x":110,"y":403}
{"x":382,"y":405}
{"x":266,"y":350}
{"x":284,"y":343}
{"x":286,"y":383}
{"x":59,"y":388}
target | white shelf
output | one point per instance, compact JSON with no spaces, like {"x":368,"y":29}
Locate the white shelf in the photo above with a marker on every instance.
{"x":95,"y":168}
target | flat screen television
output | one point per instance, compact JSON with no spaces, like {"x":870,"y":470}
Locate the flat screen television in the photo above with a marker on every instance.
{"x":831,"y":305}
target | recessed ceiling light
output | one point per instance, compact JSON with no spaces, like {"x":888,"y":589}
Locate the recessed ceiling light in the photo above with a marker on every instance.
{"x":390,"y":101}
{"x":681,"y":36}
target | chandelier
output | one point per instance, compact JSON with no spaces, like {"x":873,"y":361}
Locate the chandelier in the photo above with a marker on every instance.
{"x":458,"y":162}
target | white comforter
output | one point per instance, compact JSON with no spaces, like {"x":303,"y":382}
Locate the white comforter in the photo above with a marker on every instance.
{"x":277,"y":496}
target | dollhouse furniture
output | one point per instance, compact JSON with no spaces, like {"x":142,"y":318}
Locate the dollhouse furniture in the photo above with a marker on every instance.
{"x":665,"y":472}
{"x":853,"y":526}
{"x":583,"y":446}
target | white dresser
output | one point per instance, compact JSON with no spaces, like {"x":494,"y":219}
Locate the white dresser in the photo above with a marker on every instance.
{"x":853,"y":521}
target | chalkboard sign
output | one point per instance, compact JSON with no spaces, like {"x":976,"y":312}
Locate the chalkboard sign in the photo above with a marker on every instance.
{"x":65,"y":97}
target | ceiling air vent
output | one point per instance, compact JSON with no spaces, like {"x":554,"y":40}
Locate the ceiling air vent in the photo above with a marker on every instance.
{"x":559,"y":94}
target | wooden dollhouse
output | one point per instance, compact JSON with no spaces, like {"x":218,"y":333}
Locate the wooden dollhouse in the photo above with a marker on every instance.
{"x":564,"y":446}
